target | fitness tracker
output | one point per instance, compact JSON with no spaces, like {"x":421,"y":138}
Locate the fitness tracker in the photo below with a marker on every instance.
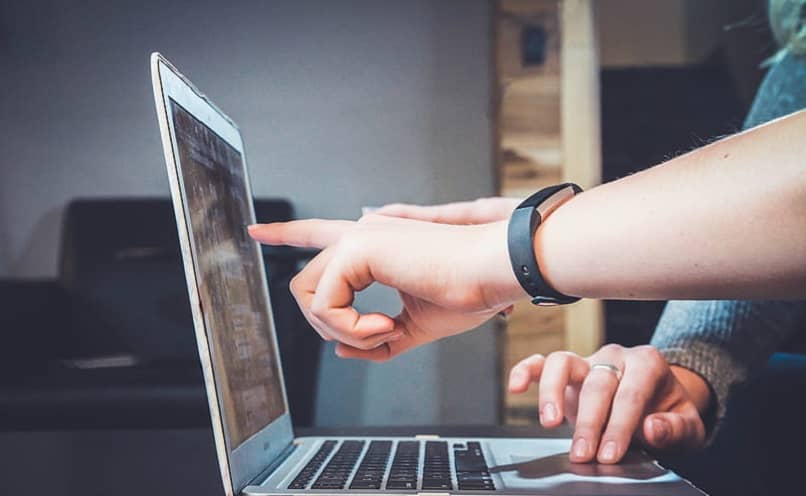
{"x":521,"y":235}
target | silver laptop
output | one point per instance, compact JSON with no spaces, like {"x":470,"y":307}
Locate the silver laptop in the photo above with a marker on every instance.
{"x":257,"y":451}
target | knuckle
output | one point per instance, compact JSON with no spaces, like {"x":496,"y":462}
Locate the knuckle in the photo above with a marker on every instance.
{"x":649,"y":354}
{"x":533,"y":359}
{"x":318,"y":309}
{"x":650,"y":360}
{"x":369,"y":218}
{"x":294,"y":284}
{"x":352,"y":242}
{"x":558,"y":358}
{"x":611,"y":348}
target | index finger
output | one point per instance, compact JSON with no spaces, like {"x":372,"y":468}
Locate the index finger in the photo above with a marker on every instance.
{"x":309,"y":233}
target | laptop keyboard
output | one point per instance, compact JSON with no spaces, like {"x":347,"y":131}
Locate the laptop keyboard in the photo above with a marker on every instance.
{"x":302,"y":479}
{"x":436,"y":467}
{"x":469,"y":471}
{"x":339,"y":468}
{"x":373,"y":467}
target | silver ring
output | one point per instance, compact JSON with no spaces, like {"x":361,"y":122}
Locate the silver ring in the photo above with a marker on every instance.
{"x":608,"y":367}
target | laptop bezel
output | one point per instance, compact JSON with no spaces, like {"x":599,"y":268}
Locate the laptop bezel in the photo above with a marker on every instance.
{"x":241,"y":465}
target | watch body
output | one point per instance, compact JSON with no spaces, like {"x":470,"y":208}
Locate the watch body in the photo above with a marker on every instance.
{"x":523,"y":224}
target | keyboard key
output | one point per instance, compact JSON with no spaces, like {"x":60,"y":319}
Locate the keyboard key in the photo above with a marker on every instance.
{"x":404,"y":471}
{"x":401,"y":485}
{"x":436,"y":467}
{"x":373,"y":466}
{"x":305,"y":475}
{"x":472,"y":473}
{"x":338,"y":469}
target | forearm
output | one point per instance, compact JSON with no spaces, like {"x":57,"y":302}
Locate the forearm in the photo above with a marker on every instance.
{"x":725,"y":221}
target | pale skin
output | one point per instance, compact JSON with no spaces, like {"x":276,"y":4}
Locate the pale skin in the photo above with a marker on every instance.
{"x":726,"y":221}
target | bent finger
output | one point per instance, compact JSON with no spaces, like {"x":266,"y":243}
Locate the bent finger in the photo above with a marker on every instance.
{"x":303,"y":288}
{"x":390,"y":348}
{"x":525,"y":372}
{"x":333,"y":299}
{"x":560,"y":369}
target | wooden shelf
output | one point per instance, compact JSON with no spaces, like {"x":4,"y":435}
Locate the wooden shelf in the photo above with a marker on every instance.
{"x":547,"y":130}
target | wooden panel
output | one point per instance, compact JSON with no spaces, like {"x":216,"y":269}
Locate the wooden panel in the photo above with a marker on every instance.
{"x":581,"y":146}
{"x":528,"y":120}
{"x":529,"y":98}
{"x":535,"y":110}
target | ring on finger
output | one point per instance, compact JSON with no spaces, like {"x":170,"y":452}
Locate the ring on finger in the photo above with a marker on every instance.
{"x":609,"y":367}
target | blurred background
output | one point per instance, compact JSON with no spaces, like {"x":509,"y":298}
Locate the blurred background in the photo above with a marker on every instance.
{"x":342,"y":105}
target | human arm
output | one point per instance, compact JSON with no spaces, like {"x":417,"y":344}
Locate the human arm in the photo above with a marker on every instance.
{"x":709,"y":224}
{"x":725,"y":221}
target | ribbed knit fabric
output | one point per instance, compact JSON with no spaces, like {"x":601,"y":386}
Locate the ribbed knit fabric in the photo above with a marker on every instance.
{"x":725,"y":341}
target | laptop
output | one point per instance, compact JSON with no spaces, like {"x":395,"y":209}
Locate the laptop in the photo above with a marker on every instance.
{"x":257,"y":451}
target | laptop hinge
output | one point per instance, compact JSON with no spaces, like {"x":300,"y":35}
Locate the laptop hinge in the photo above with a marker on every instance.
{"x":278,"y":460}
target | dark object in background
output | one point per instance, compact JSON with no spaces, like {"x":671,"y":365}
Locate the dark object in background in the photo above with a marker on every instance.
{"x":533,"y":45}
{"x":759,"y":449}
{"x":110,"y":343}
{"x":649,"y":115}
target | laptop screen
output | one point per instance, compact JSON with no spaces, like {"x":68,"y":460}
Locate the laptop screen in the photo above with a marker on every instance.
{"x":228,"y":262}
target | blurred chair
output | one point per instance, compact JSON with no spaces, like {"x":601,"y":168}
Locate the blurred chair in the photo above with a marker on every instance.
{"x":110,"y":342}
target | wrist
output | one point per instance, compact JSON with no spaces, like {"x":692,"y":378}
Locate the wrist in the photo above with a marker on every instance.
{"x":696,"y":387}
{"x":497,"y":282}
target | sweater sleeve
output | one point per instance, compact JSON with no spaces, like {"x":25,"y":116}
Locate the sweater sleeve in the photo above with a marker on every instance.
{"x":724,"y":341}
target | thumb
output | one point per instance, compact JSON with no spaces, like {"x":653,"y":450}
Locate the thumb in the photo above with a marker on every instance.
{"x":404,"y":341}
{"x":674,"y":430}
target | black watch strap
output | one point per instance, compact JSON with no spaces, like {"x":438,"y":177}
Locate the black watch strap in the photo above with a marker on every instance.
{"x":521,"y":232}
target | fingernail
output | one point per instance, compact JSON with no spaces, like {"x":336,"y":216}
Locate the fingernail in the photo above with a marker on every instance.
{"x":609,"y":451}
{"x":580,"y":448}
{"x":549,"y":413}
{"x":660,"y":429}
{"x":395,"y":337}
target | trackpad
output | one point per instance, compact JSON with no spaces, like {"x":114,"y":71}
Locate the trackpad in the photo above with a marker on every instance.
{"x":634,"y":466}
{"x":543,"y":465}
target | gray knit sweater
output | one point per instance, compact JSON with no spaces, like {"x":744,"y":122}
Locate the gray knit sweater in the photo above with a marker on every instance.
{"x":725,"y":341}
